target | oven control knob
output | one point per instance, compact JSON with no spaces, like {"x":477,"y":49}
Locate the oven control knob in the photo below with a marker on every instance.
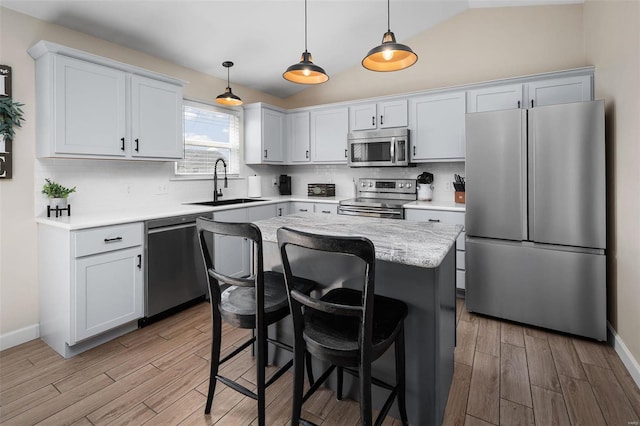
{"x":401,"y":185}
{"x":408,"y":185}
{"x":370,"y":184}
{"x":363,"y":184}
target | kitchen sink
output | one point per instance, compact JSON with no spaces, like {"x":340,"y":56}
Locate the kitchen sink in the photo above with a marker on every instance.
{"x":227,"y":202}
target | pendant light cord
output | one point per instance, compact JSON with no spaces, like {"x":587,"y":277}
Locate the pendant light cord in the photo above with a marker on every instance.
{"x":228,"y":84}
{"x":305,"y":25}
{"x":388,"y":16}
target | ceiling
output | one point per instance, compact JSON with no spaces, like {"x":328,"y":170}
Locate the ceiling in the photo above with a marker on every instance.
{"x":262,"y":37}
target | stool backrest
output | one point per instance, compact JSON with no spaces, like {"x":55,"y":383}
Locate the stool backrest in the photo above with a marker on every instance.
{"x":215,"y":277}
{"x":358,"y":247}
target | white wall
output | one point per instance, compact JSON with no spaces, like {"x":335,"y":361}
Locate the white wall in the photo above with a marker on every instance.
{"x":612,"y":41}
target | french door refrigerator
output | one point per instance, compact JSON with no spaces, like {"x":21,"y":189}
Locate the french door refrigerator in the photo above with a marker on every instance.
{"x":535,"y":216}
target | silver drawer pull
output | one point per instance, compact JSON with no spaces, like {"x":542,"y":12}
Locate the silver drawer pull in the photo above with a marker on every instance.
{"x":326,"y":211}
{"x":112,"y":240}
{"x":434,"y":220}
{"x":303,"y":210}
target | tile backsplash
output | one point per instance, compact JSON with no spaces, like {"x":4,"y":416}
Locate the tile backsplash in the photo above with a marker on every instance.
{"x":119,"y":184}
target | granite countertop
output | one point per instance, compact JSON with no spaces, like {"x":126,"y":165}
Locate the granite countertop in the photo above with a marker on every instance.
{"x":423,"y":244}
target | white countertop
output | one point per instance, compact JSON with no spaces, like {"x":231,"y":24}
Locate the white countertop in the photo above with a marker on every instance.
{"x":423,"y":244}
{"x":115,"y":217}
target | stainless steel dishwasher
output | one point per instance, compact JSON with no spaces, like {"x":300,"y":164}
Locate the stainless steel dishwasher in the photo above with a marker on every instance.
{"x":174,"y":271}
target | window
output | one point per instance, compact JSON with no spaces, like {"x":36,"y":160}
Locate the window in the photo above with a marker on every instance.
{"x":209,"y":133}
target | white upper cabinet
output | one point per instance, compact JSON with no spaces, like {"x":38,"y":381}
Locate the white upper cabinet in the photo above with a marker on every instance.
{"x":526,"y":95}
{"x":89,"y":110}
{"x":437,"y":127}
{"x":559,"y":91}
{"x":299,"y":137}
{"x":495,"y":98}
{"x":156,"y":118}
{"x":264,"y":134}
{"x":381,"y":115}
{"x":92,"y":107}
{"x":329,"y":129}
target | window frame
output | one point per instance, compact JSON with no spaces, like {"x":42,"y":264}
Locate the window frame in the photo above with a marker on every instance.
{"x":236,"y":111}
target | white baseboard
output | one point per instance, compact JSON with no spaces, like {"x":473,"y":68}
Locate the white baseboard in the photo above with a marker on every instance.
{"x":18,"y":337}
{"x":625,"y":355}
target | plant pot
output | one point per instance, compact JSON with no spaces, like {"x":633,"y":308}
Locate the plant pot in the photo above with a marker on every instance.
{"x":60,"y":203}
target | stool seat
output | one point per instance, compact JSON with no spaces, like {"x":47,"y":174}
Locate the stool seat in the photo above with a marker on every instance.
{"x":238,"y":304}
{"x":335,"y":338}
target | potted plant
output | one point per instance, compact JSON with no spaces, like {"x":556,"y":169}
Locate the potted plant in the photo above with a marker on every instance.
{"x":10,"y":116}
{"x":57,"y":193}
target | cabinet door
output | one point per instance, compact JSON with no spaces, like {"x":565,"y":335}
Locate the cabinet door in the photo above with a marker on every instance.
{"x":108,"y":292}
{"x":392,"y":114}
{"x":261,"y":212}
{"x":232,"y":255}
{"x":329,"y":130}
{"x":283,"y":209}
{"x":90,"y":115}
{"x":437,"y":126}
{"x":299,"y":137}
{"x":559,"y":91}
{"x":272,"y":136}
{"x":362,"y":117}
{"x":495,"y":98}
{"x":156,"y":119}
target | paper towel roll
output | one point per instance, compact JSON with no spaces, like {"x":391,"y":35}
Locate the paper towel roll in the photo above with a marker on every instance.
{"x":254,"y":186}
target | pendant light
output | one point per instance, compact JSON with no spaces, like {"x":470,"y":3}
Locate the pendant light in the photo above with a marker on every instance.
{"x":305,"y":71}
{"x":228,"y":98}
{"x":390,"y":55}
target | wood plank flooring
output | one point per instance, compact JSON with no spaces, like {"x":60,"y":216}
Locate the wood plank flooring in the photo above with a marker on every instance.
{"x":505,"y":374}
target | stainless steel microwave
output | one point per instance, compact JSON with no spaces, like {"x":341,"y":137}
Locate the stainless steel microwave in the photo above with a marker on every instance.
{"x":379,"y":148}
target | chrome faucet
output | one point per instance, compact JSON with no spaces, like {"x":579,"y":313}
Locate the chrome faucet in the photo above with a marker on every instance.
{"x":218,"y":192}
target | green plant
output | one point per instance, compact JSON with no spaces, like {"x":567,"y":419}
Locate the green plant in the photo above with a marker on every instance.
{"x":55,"y":190}
{"x":10,"y":116}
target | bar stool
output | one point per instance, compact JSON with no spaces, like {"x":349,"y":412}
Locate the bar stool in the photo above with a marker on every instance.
{"x":253,"y":302}
{"x":342,"y":327}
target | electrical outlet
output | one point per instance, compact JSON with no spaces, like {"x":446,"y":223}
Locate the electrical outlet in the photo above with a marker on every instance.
{"x":128,"y":188}
{"x":161,"y":189}
{"x":275,"y":181}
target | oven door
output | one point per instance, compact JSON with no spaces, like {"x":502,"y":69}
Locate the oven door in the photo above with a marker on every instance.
{"x":379,"y":152}
{"x":389,"y":213}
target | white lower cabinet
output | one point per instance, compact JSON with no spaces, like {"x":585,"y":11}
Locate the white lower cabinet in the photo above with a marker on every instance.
{"x":325,"y":208}
{"x":301,"y":207}
{"x":309,"y":207}
{"x":91,"y":285}
{"x":108,"y":292}
{"x":448,"y":217}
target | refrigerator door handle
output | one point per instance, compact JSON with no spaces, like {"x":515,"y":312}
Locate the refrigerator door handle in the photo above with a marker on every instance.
{"x":529,"y":172}
{"x":524,"y":151}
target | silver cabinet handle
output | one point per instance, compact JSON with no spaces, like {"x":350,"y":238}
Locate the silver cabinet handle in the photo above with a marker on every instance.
{"x":306,"y":154}
{"x":393,"y":150}
{"x":303,"y":210}
{"x":434,"y":220}
{"x":112,"y":240}
{"x":326,"y":211}
{"x":381,"y":122}
{"x":265,"y":153}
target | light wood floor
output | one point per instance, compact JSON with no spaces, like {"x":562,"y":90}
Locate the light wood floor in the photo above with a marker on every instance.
{"x":504,"y":374}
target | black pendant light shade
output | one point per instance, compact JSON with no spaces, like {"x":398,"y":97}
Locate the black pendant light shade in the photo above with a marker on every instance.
{"x":390,"y":55}
{"x":228,"y":98}
{"x":305,"y":71}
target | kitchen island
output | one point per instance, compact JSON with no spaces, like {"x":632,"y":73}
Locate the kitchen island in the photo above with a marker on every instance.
{"x":415,"y":263}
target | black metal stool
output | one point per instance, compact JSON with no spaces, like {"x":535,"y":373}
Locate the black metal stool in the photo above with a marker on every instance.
{"x":342,"y":327}
{"x":253,"y":302}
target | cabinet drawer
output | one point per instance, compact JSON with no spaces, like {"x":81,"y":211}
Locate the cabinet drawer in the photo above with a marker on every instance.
{"x":325,"y":208}
{"x":460,"y":260}
{"x":460,"y":279}
{"x":460,"y":242}
{"x":108,"y":238}
{"x":442,"y":216}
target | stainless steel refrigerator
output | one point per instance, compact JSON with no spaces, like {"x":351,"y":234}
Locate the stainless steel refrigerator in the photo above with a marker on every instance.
{"x":535,"y":216}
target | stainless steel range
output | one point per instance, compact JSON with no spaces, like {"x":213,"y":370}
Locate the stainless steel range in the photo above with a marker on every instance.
{"x":380,"y":198}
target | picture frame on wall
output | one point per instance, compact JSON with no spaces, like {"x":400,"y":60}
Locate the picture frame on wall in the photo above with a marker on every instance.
{"x":6,"y":164}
